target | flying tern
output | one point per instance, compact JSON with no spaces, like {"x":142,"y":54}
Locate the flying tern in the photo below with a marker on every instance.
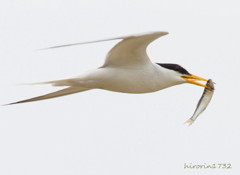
{"x":127,"y":68}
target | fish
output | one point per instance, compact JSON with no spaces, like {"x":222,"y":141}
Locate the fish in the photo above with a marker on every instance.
{"x":203,"y":102}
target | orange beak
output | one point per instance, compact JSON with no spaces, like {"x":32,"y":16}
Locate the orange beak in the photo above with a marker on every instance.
{"x":193,"y":78}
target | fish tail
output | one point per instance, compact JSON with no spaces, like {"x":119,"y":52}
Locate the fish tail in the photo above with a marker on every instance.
{"x":189,"y":122}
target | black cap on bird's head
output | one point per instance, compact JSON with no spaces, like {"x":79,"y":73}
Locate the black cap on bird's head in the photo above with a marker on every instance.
{"x":174,"y":67}
{"x":190,"y":78}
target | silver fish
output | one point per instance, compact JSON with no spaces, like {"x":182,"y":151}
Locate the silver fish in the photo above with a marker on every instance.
{"x":203,"y":102}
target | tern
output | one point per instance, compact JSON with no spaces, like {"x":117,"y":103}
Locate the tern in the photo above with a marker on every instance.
{"x":127,"y":69}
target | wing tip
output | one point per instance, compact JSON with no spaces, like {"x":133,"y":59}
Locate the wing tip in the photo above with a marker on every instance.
{"x":160,"y":33}
{"x":18,"y":102}
{"x":8,"y":104}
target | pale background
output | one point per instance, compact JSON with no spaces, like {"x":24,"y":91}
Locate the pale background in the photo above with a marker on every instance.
{"x":106,"y":133}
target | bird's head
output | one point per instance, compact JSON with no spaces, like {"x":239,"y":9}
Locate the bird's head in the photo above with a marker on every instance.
{"x":183,"y":75}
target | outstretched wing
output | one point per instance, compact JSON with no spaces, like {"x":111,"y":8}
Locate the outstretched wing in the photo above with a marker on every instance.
{"x":131,"y":50}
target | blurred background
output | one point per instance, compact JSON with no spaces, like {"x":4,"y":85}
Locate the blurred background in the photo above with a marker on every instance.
{"x":103,"y":133}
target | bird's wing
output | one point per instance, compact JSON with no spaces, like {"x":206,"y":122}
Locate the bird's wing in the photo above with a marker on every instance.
{"x":81,"y":43}
{"x":131,"y":50}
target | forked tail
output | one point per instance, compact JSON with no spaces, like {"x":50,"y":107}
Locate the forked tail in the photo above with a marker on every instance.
{"x":66,"y":91}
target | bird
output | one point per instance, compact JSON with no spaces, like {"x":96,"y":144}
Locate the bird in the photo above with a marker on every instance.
{"x":127,"y":69}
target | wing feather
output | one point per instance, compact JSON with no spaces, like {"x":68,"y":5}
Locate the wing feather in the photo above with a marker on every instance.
{"x":131,"y":50}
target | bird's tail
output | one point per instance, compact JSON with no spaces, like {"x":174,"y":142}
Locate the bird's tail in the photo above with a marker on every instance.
{"x":66,"y":91}
{"x":64,"y":82}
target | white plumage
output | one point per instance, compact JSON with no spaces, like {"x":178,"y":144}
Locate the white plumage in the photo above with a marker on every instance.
{"x":127,"y":69}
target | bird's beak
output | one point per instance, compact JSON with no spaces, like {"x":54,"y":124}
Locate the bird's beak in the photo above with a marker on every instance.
{"x":193,"y":78}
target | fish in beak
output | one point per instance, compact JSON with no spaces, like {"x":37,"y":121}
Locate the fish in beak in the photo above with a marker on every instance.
{"x":193,"y":80}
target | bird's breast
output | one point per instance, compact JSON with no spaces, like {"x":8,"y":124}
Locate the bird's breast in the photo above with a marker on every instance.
{"x":128,"y":80}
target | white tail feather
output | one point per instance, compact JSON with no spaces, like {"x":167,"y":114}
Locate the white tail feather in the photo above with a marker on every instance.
{"x":64,"y":82}
{"x":66,"y":91}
